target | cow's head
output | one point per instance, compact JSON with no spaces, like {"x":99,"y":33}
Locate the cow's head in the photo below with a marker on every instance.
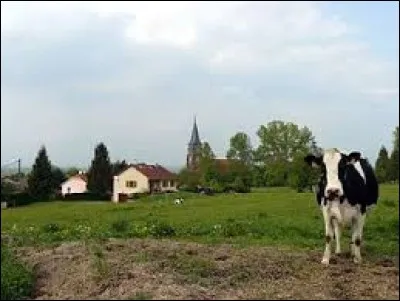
{"x":333,"y":164}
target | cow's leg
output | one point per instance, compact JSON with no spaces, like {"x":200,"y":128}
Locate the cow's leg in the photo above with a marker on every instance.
{"x":328,"y":236}
{"x":336,"y":228}
{"x":353,"y":226}
{"x":357,"y":237}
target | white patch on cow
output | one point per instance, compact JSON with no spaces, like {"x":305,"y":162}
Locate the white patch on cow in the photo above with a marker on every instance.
{"x":357,"y":229}
{"x":328,"y":233}
{"x":337,"y":215}
{"x":359,"y":169}
{"x":331,"y":160}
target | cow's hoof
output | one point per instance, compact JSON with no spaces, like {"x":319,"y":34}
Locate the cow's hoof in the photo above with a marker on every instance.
{"x":357,"y":260}
{"x":325,"y":261}
{"x":338,"y":252}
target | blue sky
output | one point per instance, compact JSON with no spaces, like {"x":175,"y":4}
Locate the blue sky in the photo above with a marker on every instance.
{"x":133,"y":74}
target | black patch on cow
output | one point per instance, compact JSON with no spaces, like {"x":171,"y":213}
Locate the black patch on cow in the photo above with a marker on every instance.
{"x":356,"y":190}
{"x":358,"y":242}
{"x":328,"y":239}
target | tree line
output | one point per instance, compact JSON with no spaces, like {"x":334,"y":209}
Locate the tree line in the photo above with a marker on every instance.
{"x":277,"y":161}
{"x":45,"y":179}
{"x":387,"y":166}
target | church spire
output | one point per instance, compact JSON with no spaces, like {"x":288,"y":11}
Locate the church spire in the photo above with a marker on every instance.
{"x":194,"y":142}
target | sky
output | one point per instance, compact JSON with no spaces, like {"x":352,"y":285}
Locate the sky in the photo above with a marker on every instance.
{"x":134,"y":74}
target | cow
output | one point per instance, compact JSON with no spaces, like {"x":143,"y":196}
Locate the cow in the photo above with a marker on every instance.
{"x":346,"y":189}
{"x":178,"y":201}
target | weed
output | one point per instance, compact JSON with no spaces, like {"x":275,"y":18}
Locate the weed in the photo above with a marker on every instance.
{"x":51,"y":228}
{"x":17,"y":281}
{"x":120,"y":226}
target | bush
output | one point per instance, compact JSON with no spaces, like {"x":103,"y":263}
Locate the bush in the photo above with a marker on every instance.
{"x":17,"y":281}
{"x":19,"y":199}
{"x":240,"y":186}
{"x":90,"y":196}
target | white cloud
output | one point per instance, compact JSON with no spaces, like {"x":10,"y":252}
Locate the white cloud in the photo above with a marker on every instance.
{"x":258,"y":59}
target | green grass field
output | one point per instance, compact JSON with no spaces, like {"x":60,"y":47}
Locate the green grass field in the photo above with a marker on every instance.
{"x":264,"y":217}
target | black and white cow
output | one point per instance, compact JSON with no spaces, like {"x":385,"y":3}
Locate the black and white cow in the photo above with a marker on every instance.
{"x":346,"y":189}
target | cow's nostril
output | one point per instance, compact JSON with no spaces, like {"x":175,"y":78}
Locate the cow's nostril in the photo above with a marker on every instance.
{"x":333,"y":191}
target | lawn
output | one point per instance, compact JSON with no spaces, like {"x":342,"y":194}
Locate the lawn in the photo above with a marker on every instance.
{"x":263,"y":217}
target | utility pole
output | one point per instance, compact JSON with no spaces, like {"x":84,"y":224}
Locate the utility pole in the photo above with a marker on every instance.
{"x":19,"y":167}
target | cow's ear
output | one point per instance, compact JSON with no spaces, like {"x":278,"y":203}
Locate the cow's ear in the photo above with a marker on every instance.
{"x":354,"y":156}
{"x":313,"y":160}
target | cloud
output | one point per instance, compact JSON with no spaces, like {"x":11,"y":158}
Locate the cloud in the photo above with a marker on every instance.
{"x":132,"y":74}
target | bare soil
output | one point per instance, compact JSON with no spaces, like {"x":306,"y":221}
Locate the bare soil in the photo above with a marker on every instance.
{"x":164,"y":269}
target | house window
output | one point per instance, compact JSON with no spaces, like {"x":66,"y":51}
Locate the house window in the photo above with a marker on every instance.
{"x":172,"y":183}
{"x":164,"y":183}
{"x":131,"y":184}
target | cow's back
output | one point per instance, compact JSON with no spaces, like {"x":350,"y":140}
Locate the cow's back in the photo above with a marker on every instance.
{"x":359,"y":190}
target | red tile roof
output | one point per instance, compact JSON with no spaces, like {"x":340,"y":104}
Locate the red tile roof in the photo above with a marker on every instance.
{"x":152,"y":172}
{"x":155,"y":172}
{"x":83,"y":177}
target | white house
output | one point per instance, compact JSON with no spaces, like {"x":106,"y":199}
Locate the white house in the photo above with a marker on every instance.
{"x":75,"y":184}
{"x":143,"y":178}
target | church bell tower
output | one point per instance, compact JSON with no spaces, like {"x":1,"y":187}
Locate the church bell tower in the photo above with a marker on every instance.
{"x":194,"y":148}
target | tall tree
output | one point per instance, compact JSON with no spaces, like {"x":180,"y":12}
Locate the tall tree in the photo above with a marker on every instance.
{"x":100,"y":172}
{"x":240,"y":148}
{"x":40,"y":181}
{"x":382,"y":165}
{"x":280,"y":143}
{"x":394,"y":157}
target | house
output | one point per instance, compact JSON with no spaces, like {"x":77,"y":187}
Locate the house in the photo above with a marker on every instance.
{"x":75,"y":184}
{"x":143,"y":178}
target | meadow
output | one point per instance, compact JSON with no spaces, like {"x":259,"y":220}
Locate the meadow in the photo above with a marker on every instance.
{"x":276,"y":216}
{"x":264,"y":244}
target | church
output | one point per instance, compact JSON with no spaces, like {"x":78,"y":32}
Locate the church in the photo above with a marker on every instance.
{"x":194,"y":150}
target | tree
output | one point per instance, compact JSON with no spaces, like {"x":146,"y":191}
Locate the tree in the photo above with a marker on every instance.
{"x":188,"y":179}
{"x":71,"y":172}
{"x":100,"y":172}
{"x":57,"y":176}
{"x":118,"y":167}
{"x":240,"y":148}
{"x":40,"y":180}
{"x":280,"y":143}
{"x":301,"y":176}
{"x":259,"y":176}
{"x":394,"y":157}
{"x":382,"y":165}
{"x":207,"y":166}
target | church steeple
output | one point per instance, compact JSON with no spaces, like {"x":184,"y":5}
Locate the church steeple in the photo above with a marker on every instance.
{"x":194,"y":147}
{"x":194,"y":142}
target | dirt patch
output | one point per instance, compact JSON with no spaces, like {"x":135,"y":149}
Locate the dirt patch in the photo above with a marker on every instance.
{"x":164,"y":269}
